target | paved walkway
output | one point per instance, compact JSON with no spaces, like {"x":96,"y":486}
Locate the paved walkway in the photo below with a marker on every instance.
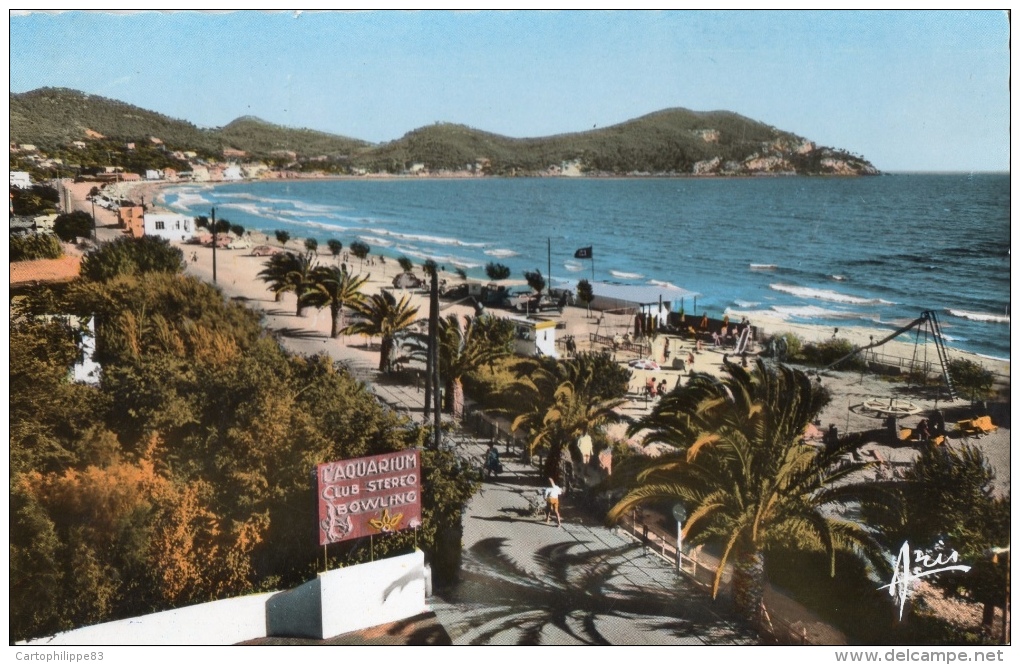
{"x":525,"y":581}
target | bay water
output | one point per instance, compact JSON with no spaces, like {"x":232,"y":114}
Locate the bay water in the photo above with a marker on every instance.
{"x":871,"y":252}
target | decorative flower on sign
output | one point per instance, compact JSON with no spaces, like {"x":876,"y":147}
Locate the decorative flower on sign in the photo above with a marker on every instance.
{"x":385,"y":523}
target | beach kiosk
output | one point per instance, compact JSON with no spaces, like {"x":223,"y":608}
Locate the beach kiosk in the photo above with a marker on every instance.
{"x":534,"y":336}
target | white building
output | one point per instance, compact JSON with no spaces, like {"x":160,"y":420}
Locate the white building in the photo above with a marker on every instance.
{"x":534,"y":337}
{"x":232,"y":172}
{"x":21,"y":180}
{"x":170,"y":225}
{"x":153,"y":174}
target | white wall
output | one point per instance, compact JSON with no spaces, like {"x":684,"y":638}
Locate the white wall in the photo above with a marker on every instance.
{"x":336,"y":602}
{"x":174,"y":226}
{"x":220,"y":622}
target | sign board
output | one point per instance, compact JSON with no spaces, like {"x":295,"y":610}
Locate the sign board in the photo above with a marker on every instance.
{"x":369,"y":495}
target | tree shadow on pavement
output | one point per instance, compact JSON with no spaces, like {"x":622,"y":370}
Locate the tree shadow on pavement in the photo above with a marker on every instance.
{"x":574,"y":593}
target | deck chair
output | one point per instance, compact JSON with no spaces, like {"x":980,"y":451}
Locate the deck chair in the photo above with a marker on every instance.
{"x":966,"y":427}
{"x":906,"y":434}
{"x":984,"y":425}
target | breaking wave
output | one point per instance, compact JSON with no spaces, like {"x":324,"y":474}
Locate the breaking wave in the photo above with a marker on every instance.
{"x":501,"y":253}
{"x":625,"y":275}
{"x":827,"y":295}
{"x":979,"y":316}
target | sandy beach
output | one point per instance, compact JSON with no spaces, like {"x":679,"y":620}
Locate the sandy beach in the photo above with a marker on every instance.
{"x":236,"y":276}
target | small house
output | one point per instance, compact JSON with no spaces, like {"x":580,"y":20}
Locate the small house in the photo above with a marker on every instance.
{"x":534,"y":336}
{"x":170,"y":225}
{"x":21,"y":180}
{"x":132,"y":220}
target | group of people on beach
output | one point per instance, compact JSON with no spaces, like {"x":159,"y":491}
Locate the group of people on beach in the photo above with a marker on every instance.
{"x":655,"y":389}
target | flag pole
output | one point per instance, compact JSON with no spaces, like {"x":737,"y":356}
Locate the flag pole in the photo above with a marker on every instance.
{"x":592,"y":257}
{"x":548,"y":249}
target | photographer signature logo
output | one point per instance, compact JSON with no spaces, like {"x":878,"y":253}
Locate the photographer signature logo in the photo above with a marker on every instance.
{"x":924,"y":563}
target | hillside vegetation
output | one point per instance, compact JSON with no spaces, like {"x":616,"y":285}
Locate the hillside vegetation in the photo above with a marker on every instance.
{"x":669,"y":142}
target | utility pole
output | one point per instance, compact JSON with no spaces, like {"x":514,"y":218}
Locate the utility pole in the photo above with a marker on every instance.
{"x":214,"y":245}
{"x":433,"y":383}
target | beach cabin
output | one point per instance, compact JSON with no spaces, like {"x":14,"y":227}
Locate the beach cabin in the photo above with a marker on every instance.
{"x":170,"y":225}
{"x":534,"y":336}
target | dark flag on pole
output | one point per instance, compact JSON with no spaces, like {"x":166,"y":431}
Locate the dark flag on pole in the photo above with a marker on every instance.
{"x":583,"y":253}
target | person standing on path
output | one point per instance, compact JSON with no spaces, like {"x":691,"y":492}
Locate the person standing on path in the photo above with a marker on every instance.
{"x":552,"y":501}
{"x":584,"y":446}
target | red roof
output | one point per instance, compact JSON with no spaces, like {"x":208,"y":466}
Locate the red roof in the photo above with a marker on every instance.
{"x":63,"y":269}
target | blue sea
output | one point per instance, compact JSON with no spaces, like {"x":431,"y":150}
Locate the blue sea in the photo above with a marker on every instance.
{"x":872,"y":252}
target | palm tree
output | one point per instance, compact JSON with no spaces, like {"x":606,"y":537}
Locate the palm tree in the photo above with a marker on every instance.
{"x":289,"y":272}
{"x":335,"y":287}
{"x":463,"y":348}
{"x":360,"y":250}
{"x":385,"y":317}
{"x":745,"y":476}
{"x":563,"y":401}
{"x":335,"y":247}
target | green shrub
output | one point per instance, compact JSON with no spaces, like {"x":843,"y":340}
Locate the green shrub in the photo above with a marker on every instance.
{"x":72,"y":225}
{"x":971,"y":379}
{"x":31,"y":246}
{"x":831,"y":350}
{"x":487,"y":383}
{"x":129,"y":256}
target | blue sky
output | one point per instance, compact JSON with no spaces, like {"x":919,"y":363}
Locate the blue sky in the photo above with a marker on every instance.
{"x":907,"y":90}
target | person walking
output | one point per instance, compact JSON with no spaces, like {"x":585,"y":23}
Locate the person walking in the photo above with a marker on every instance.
{"x":493,"y":467}
{"x":552,"y":501}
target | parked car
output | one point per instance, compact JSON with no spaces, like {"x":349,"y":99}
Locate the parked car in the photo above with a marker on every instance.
{"x":265,"y":250}
{"x":222,"y":242}
{"x":406,"y":280}
{"x":239,"y":243}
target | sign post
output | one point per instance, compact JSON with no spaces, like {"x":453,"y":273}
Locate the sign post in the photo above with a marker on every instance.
{"x":680,"y":514}
{"x":368,"y":495}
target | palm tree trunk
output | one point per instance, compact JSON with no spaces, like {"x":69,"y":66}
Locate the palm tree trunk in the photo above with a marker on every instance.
{"x":334,"y":330}
{"x":385,"y":345}
{"x":749,"y":585}
{"x":457,"y":398}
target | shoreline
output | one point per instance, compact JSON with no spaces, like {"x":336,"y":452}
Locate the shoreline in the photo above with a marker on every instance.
{"x":858,"y":335}
{"x":309,"y":334}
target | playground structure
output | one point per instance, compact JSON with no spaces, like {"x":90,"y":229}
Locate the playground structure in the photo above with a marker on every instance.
{"x":927,"y":323}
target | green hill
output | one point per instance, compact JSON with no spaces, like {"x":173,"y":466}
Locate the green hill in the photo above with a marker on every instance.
{"x":669,"y":142}
{"x":257,"y":136}
{"x":52,"y":117}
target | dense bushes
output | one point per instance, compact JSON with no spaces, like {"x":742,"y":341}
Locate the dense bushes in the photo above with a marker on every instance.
{"x":971,"y":379}
{"x":36,"y":200}
{"x":31,"y":246}
{"x":183,"y":476}
{"x":73,"y":225}
{"x":829,"y":351}
{"x":132,"y":256}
